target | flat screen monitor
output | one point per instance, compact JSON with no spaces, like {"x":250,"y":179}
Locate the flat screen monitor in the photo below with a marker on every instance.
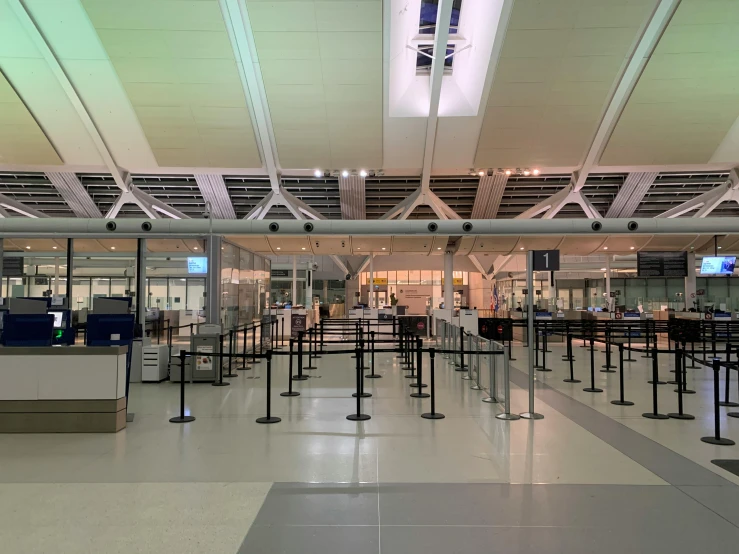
{"x":59,"y":322}
{"x":718,"y":265}
{"x":197,"y":265}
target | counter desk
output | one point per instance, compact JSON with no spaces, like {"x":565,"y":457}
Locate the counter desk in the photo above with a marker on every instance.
{"x":62,"y":389}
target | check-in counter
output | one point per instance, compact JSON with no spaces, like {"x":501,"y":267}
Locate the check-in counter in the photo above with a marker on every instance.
{"x":77,"y":389}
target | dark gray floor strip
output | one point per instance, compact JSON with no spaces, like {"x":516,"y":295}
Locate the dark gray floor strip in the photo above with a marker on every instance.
{"x":660,"y":460}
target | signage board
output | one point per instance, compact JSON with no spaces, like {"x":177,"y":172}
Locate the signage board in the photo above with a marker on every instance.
{"x":456,"y":281}
{"x":12,"y":267}
{"x":197,"y":265}
{"x":379,"y":281}
{"x":662,"y":264}
{"x":543,"y":316}
{"x":546,"y":260}
{"x":297,"y":324}
{"x":280,"y":273}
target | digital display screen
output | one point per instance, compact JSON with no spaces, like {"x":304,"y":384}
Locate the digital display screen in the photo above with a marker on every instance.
{"x":718,"y":265}
{"x":58,"y":319}
{"x":197,"y":265}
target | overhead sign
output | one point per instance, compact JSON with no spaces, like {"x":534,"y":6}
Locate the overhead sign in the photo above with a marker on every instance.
{"x":197,"y":265}
{"x":280,"y":273}
{"x":662,"y":264}
{"x":12,"y":267}
{"x":546,"y":260}
{"x":456,"y":281}
{"x":379,"y":281}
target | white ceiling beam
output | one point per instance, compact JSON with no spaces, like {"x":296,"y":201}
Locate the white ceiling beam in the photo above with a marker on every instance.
{"x":34,"y":33}
{"x":489,"y":195}
{"x":631,"y":194}
{"x":352,"y":197}
{"x":214,"y":191}
{"x":7,"y":203}
{"x":708,"y":201}
{"x":630,"y":76}
{"x":441,"y":39}
{"x":238,"y":25}
{"x":74,"y":193}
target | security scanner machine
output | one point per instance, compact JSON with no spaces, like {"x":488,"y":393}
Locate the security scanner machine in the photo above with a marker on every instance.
{"x":202,"y":366}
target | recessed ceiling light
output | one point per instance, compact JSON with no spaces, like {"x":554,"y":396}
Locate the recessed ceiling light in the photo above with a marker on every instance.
{"x":508,"y":171}
{"x":521,"y":248}
{"x":439,"y":248}
{"x":278,"y":248}
{"x":345,"y":174}
{"x":605,"y":248}
{"x":536,"y":172}
{"x":318,"y":173}
{"x":383,"y":248}
{"x":362,"y":173}
{"x":526,"y":172}
{"x":54,"y":247}
{"x":28,"y":247}
{"x":358,"y":248}
{"x":481,"y":173}
{"x":195,"y":248}
{"x":718,"y":247}
{"x":112,"y":247}
{"x":602,"y":268}
{"x":303,"y":247}
{"x":633,"y":247}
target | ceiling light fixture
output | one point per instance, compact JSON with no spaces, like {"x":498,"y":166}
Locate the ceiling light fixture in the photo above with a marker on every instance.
{"x":112,"y":247}
{"x":54,"y":247}
{"x":383,"y":248}
{"x":28,"y":247}
{"x":345,"y":174}
{"x":318,"y":173}
{"x":439,"y":248}
{"x":605,"y":248}
{"x":481,"y":173}
{"x":521,"y":248}
{"x":194,"y":247}
{"x":508,"y":171}
{"x":278,"y":248}
{"x":303,"y":248}
{"x":602,"y":268}
{"x":363,"y":173}
{"x":536,"y":172}
{"x":526,"y":172}
{"x":633,"y":247}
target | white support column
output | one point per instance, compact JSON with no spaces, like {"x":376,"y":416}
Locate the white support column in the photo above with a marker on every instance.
{"x":371,"y":292}
{"x":609,"y":301}
{"x":213,"y":280}
{"x":295,"y":282}
{"x":690,"y":282}
{"x":449,"y":280}
{"x":309,"y":286}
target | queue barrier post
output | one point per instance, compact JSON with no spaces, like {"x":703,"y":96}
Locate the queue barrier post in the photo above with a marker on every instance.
{"x":571,"y":360}
{"x":592,"y":387}
{"x":493,"y":367}
{"x":621,"y":401}
{"x":418,"y":385}
{"x":654,"y":414}
{"x":230,"y":355}
{"x":358,"y":416}
{"x":372,"y":375}
{"x":680,"y":364}
{"x":269,"y":418}
{"x":433,"y":414}
{"x":182,"y":418}
{"x":220,"y":382}
{"x":290,"y":378}
{"x":716,"y":438}
{"x":507,"y":415}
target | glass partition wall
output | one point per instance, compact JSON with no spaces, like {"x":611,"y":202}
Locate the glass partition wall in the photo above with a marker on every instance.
{"x":245,"y":285}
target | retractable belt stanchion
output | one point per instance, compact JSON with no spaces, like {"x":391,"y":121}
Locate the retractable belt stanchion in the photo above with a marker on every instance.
{"x":269,"y":417}
{"x":461,"y":367}
{"x":220,"y":382}
{"x":411,"y":356}
{"x":230,"y":354}
{"x":592,"y":387}
{"x":492,"y":367}
{"x":468,"y":376}
{"x":680,"y":364}
{"x":476,"y":357}
{"x":536,"y":346}
{"x":507,"y":415}
{"x":316,"y":353}
{"x":182,"y":418}
{"x":571,"y":361}
{"x":544,"y":349}
{"x":372,"y":375}
{"x":290,"y":379}
{"x":716,"y":438}
{"x":655,"y":355}
{"x":646,"y":333}
{"x":244,"y":365}
{"x":254,"y":359}
{"x":358,"y":416}
{"x":310,"y":350}
{"x":726,"y":402}
{"x":418,"y":385}
{"x":608,"y":367}
{"x":621,"y":401}
{"x":300,"y":376}
{"x":433,"y":414}
{"x":282,"y":331}
{"x":654,"y":414}
{"x":685,"y":367}
{"x":361,"y":381}
{"x":734,"y":414}
{"x":628,"y":331}
{"x":568,"y":354}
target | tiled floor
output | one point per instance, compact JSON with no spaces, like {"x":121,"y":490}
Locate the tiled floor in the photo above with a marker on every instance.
{"x":395,"y":483}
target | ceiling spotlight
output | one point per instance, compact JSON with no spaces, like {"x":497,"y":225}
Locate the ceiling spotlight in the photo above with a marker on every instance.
{"x":194,"y":247}
{"x":602,"y":268}
{"x":303,"y":248}
{"x":605,"y":248}
{"x":278,"y":248}
{"x":633,"y":247}
{"x":481,"y":173}
{"x":383,"y":248}
{"x":526,"y":172}
{"x":536,"y":172}
{"x":363,"y":173}
{"x":508,"y":171}
{"x":318,"y":173}
{"x":54,"y":247}
{"x":345,"y":174}
{"x":112,"y":247}
{"x":521,"y":248}
{"x":439,"y":248}
{"x":28,"y":247}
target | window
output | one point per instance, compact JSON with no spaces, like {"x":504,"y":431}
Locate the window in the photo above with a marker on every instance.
{"x":427,"y":26}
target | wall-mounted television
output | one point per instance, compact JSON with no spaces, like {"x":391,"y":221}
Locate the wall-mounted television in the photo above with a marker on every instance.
{"x":197,"y":265}
{"x":718,"y":265}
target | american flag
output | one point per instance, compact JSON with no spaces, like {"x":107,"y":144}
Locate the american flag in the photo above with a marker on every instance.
{"x":496,"y":299}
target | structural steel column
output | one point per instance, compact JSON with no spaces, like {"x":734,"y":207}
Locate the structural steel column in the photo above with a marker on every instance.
{"x":213,"y":280}
{"x":295,"y":282}
{"x":608,"y":284}
{"x":449,"y":280}
{"x":690,"y":285}
{"x":371,"y":291}
{"x":70,"y":271}
{"x":309,"y":286}
{"x":140,"y":283}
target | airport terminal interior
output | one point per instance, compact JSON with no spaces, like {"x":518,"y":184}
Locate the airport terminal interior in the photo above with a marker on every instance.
{"x":369,"y":276}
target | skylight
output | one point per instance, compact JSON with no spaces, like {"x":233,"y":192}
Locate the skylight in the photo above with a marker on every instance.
{"x":427,"y":26}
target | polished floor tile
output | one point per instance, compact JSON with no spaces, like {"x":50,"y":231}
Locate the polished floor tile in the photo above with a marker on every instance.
{"x":264,"y":539}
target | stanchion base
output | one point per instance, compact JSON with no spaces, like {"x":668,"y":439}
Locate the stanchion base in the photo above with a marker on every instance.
{"x":358,"y":417}
{"x":687,"y":391}
{"x":531,"y":415}
{"x":544,"y":370}
{"x":417,"y":386}
{"x":363,"y":395}
{"x":620,"y":403}
{"x":630,"y":360}
{"x":650,"y":415}
{"x":718,"y":442}
{"x":300,"y":378}
{"x":410,"y":376}
{"x":572,"y":380}
{"x":733,"y":414}
{"x":608,"y":366}
{"x":607,"y":371}
{"x":224,"y":384}
{"x":672,"y":383}
{"x":373,"y":376}
{"x":490,"y":400}
{"x":658,"y":382}
{"x":272,"y":419}
{"x":681,"y":416}
{"x":290,"y":393}
{"x":692,"y":367}
{"x":508,"y":417}
{"x":178,"y":419}
{"x":592,"y":389}
{"x":436,"y":415}
{"x":230,"y":374}
{"x":461,"y":369}
{"x":728,"y":404}
{"x":419,"y":395}
{"x":512,"y":359}
{"x":310,"y":367}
